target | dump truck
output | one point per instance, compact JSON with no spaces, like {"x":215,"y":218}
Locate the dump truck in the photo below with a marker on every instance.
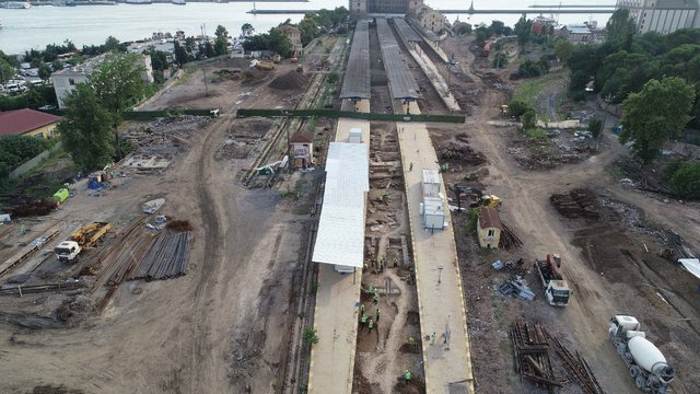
{"x":645,"y":362}
{"x":556,"y":290}
{"x":84,"y":237}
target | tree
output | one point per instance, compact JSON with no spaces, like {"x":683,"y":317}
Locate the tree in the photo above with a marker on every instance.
{"x":44,"y":71}
{"x":181,"y":55}
{"x":522,"y":29}
{"x":595,"y":126}
{"x":529,"y":119}
{"x":119,"y":85}
{"x":500,"y":60}
{"x":7,"y":72}
{"x":563,"y":49}
{"x":247,"y":29}
{"x":118,"y":82}
{"x":621,"y":28}
{"x":111,"y":44}
{"x":516,"y":108}
{"x":85,"y":129}
{"x":685,"y":180}
{"x":497,"y":27}
{"x":462,"y":28}
{"x":657,"y":113}
{"x":221,"y":42}
{"x":159,"y":59}
{"x":56,"y":65}
{"x":482,"y":34}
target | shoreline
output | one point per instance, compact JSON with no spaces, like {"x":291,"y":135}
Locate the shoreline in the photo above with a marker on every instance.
{"x":76,"y":3}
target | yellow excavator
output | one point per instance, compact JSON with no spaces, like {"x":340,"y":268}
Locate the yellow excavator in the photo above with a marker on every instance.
{"x":88,"y":235}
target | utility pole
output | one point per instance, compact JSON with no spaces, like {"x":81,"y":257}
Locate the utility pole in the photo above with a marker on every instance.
{"x":204,"y":69}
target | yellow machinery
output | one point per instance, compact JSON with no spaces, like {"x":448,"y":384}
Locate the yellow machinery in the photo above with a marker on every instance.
{"x":491,"y":201}
{"x":88,"y":235}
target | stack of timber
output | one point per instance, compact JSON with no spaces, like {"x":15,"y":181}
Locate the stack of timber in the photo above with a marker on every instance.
{"x":167,"y":258}
{"x":576,"y":367}
{"x":531,"y":355}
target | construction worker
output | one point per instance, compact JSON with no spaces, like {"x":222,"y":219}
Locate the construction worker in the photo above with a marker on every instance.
{"x":370,"y":324}
{"x":377,"y":315}
{"x":407,"y":375}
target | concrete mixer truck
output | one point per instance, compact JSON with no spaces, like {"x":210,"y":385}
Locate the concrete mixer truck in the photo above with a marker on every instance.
{"x":644,"y":360}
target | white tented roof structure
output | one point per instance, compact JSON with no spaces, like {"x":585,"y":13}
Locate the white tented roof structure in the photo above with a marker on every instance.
{"x":340,"y":239}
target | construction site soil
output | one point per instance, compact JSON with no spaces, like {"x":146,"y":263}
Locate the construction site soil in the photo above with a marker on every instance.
{"x":220,"y":328}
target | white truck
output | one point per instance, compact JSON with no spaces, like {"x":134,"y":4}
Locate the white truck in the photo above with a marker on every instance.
{"x":556,"y":290}
{"x":67,"y":251}
{"x":645,"y":362}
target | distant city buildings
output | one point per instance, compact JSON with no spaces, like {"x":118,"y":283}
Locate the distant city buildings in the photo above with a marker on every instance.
{"x":663,"y":16}
{"x":364,"y":7}
{"x":429,"y":19}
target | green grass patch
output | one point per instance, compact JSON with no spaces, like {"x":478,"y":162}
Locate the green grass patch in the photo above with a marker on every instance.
{"x":536,"y":134}
{"x":528,"y":91}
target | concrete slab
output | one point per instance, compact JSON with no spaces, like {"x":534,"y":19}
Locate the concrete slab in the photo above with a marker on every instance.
{"x":446,"y":354}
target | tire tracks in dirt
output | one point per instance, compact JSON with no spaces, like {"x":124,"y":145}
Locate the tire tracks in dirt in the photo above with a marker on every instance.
{"x":214,"y":243}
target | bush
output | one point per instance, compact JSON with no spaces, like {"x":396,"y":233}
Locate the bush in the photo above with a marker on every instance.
{"x":310,"y":336}
{"x":530,"y":69}
{"x":529,"y":119}
{"x":517,"y":108}
{"x":16,"y":149}
{"x":536,"y":133}
{"x":685,"y":181}
{"x":595,"y":126}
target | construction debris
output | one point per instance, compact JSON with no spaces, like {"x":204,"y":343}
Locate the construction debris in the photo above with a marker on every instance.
{"x":531,"y":354}
{"x":576,"y":367}
{"x":33,"y":208}
{"x":168,"y":256}
{"x":458,"y":153}
{"x":150,"y":207}
{"x":292,"y":80}
{"x":25,"y":253}
{"x":517,"y":287}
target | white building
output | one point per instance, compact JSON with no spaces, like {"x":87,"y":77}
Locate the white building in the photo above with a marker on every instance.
{"x":663,"y":16}
{"x":64,"y":81}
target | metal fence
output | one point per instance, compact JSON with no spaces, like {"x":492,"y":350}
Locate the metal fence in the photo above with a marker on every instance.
{"x":329,"y":113}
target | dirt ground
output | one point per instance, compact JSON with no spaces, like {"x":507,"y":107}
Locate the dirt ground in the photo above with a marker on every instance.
{"x":220,"y":328}
{"x":393,"y":345}
{"x":606,"y":282}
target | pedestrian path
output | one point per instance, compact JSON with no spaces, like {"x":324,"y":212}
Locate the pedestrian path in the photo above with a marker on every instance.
{"x":443,"y":320}
{"x":337,"y":308}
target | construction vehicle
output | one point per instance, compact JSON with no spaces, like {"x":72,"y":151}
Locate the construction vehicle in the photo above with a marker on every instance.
{"x":556,"y":290}
{"x":84,"y":237}
{"x":264,"y":66}
{"x":67,"y":251}
{"x":645,"y":362}
{"x":491,"y":201}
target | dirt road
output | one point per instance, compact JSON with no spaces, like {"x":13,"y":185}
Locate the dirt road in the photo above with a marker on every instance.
{"x":220,"y":328}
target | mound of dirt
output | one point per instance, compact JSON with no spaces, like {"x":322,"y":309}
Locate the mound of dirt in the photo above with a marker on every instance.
{"x":179,"y":226}
{"x":578,"y":203}
{"x":292,"y":80}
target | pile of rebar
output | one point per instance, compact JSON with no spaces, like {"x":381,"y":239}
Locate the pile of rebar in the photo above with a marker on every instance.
{"x":167,"y":257}
{"x":509,"y":239}
{"x":531,"y":354}
{"x":576,"y":367}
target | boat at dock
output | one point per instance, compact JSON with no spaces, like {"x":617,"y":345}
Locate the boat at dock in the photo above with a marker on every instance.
{"x":16,"y":5}
{"x":178,"y":2}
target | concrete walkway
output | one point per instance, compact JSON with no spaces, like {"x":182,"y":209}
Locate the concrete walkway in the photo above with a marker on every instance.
{"x":446,"y":355}
{"x":337,"y":309}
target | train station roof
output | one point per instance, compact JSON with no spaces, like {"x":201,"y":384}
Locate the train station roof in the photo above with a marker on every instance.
{"x":406,"y":31}
{"x":401,"y":82}
{"x":340,"y":239}
{"x":356,"y":83}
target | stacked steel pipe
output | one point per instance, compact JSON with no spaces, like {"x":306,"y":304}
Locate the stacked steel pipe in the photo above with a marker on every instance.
{"x":167,"y":257}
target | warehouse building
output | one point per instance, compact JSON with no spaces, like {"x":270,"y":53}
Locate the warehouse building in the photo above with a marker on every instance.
{"x":663,"y":16}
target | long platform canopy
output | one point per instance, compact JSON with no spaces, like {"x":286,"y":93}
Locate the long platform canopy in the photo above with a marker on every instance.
{"x":401,"y":82}
{"x":356,"y":83}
